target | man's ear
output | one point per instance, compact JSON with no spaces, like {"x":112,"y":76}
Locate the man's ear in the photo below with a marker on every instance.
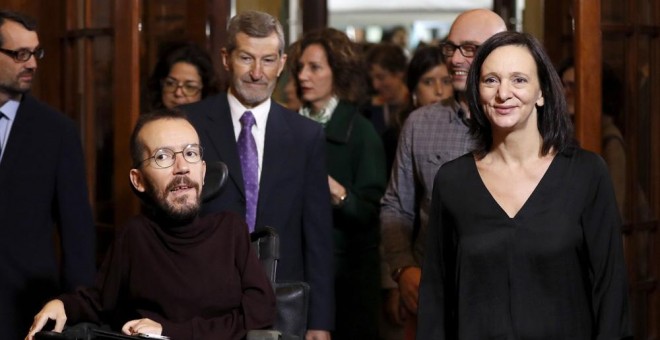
{"x":225,"y":58}
{"x":203,"y":172}
{"x":282,"y":63}
{"x":137,"y":180}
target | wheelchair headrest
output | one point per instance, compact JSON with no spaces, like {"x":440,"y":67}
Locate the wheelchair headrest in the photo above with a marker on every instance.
{"x":216,"y":176}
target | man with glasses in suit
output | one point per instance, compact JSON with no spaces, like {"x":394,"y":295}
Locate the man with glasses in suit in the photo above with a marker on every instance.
{"x":42,"y":185}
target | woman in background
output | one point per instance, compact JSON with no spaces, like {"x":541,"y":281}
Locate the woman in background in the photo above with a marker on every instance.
{"x":386,"y":65}
{"x":428,"y":82}
{"x":183,"y":74}
{"x":329,"y":80}
{"x":428,"y":79}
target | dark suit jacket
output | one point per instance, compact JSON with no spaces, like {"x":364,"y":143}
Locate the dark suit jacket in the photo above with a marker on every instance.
{"x":42,"y":184}
{"x":294,"y":196}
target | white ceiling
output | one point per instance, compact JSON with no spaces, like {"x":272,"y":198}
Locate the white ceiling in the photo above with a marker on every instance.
{"x":407,"y":5}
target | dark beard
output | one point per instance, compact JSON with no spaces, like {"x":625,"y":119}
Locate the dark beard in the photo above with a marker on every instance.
{"x":13,"y":92}
{"x":12,"y":89}
{"x":157,"y":201}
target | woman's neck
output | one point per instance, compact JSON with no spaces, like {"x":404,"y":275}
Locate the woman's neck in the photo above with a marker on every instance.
{"x":317,"y":107}
{"x":517,"y":146}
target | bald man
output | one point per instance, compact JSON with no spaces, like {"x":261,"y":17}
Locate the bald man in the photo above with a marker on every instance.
{"x":431,"y":136}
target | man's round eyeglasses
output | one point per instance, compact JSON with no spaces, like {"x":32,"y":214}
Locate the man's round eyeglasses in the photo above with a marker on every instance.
{"x":24,"y":54}
{"x":467,"y":50}
{"x":189,"y":89}
{"x":165,"y":157}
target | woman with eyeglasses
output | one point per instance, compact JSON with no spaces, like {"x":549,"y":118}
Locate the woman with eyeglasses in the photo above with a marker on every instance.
{"x":184,"y":74}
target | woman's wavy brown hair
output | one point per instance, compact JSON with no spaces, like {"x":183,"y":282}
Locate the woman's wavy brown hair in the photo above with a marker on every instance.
{"x":345,"y":60}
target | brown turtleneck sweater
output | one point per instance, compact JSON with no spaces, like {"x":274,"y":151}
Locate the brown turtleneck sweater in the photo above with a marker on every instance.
{"x":200,"y":280}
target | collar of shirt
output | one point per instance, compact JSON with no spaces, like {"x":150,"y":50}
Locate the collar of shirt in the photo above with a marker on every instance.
{"x":260,"y":113}
{"x":324,"y":115}
{"x":458,"y":113}
{"x":10,"y":108}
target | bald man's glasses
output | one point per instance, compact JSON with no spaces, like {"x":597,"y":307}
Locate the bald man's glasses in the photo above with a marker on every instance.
{"x":23,"y":55}
{"x":467,"y":50}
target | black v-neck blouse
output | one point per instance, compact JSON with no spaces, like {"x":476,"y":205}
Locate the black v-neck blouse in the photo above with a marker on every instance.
{"x":553,"y":271}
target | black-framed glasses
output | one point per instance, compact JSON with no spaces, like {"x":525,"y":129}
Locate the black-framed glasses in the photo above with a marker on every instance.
{"x":467,"y":50}
{"x":24,"y":54}
{"x":188,"y":88}
{"x":165,"y":157}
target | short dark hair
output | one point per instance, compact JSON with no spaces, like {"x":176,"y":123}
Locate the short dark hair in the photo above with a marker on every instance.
{"x":26,"y":21}
{"x":388,"y":56}
{"x":137,"y":146}
{"x":345,"y":60}
{"x":255,"y":24}
{"x":172,"y":53}
{"x":424,"y":60}
{"x":554,"y":122}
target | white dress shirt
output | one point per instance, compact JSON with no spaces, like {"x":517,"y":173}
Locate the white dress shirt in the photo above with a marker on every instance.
{"x":9,"y":110}
{"x":260,"y":113}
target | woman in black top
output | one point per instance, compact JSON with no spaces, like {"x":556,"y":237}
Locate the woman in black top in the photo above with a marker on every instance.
{"x":524,"y":232}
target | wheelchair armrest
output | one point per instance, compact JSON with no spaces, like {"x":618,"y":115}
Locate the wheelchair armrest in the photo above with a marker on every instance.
{"x":267,"y":246}
{"x":49,"y":335}
{"x":79,"y":331}
{"x":292,"y":300}
{"x":264,"y":335}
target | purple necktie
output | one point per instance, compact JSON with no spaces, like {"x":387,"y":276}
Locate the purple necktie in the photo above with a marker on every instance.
{"x":247,"y":151}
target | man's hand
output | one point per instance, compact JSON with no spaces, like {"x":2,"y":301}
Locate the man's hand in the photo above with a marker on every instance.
{"x":142,"y":326}
{"x":53,"y":310}
{"x":313,"y":334}
{"x":409,"y":287}
{"x":395,"y":312}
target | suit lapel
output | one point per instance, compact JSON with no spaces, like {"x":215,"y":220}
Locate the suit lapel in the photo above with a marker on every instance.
{"x":279,"y":146}
{"x":19,"y":134}
{"x":220,"y":131}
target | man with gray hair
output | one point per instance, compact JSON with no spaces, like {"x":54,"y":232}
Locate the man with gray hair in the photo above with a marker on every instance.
{"x":276,"y":161}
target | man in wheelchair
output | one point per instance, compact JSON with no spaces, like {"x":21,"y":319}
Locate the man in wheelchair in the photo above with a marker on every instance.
{"x":170,"y":271}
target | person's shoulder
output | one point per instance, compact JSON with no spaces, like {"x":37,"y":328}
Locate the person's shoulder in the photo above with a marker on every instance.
{"x":458,"y":165}
{"x":294,"y":119}
{"x":456,"y":172}
{"x":353,"y":113}
{"x":205,"y":104}
{"x":133,"y":227}
{"x":455,"y":169}
{"x":222,"y":217}
{"x":585,"y":161}
{"x":47,"y":114}
{"x":225,"y":220}
{"x":437,"y":111}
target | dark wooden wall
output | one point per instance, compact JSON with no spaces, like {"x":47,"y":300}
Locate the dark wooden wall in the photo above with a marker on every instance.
{"x":626,"y":36}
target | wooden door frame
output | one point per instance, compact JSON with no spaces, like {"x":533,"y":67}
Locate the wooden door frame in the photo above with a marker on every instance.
{"x":126,"y":89}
